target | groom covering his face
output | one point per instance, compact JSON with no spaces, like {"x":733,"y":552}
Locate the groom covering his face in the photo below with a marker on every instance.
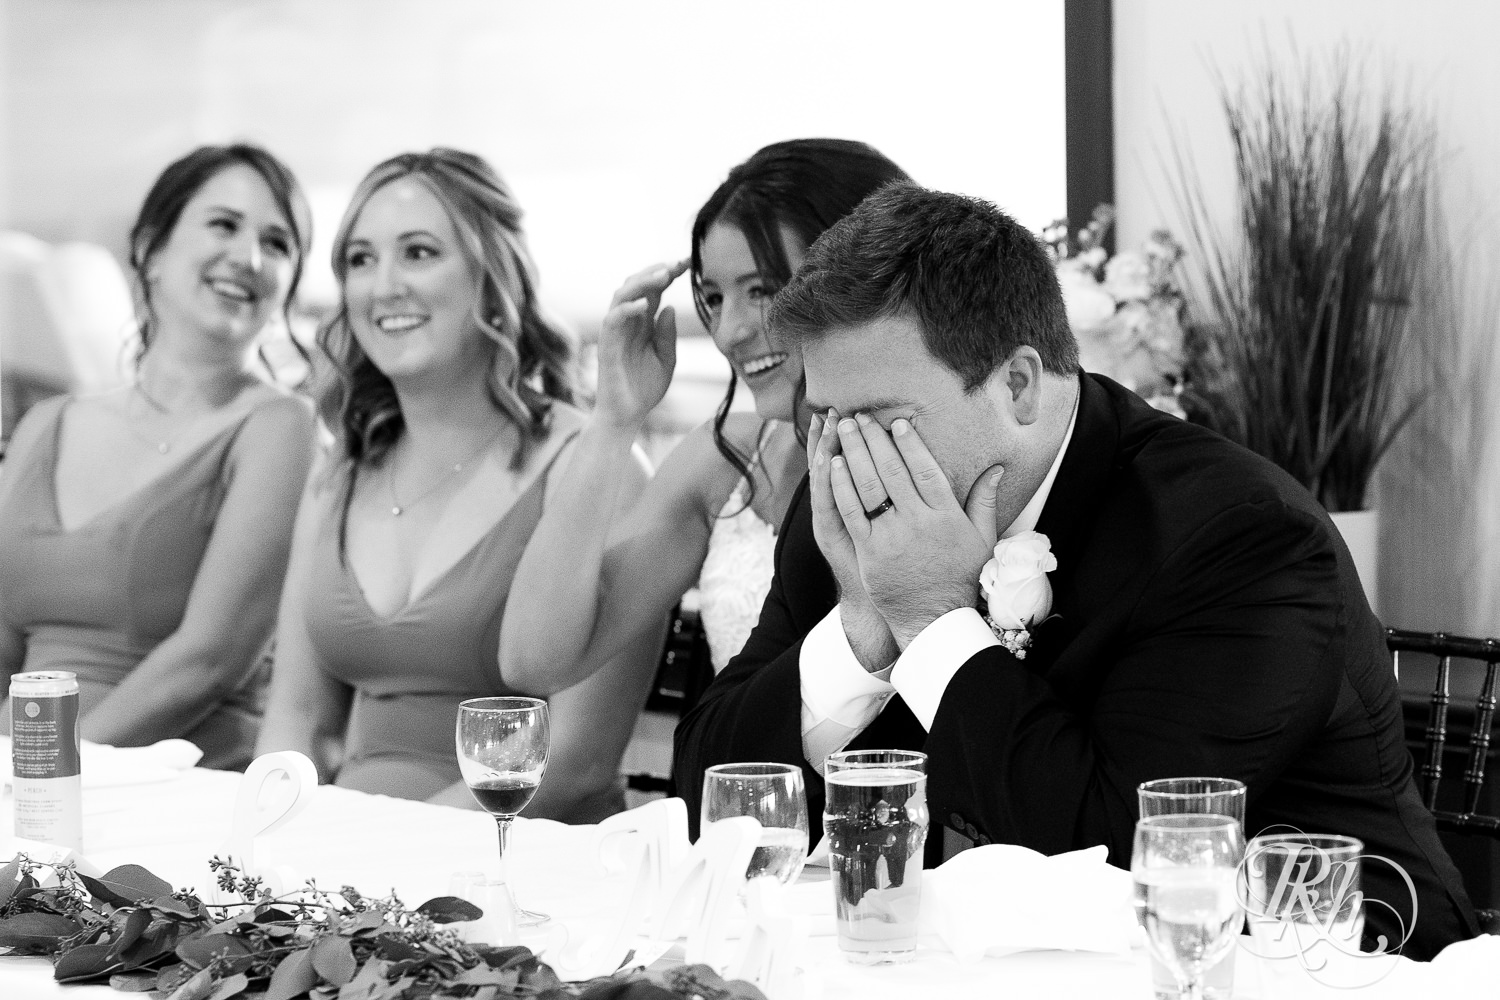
{"x":1205,"y":619}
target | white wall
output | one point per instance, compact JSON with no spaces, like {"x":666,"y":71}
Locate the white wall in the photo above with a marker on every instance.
{"x":613,"y":121}
{"x":1438,"y":489}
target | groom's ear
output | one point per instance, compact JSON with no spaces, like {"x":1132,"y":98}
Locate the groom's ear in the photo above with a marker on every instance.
{"x":1022,"y":380}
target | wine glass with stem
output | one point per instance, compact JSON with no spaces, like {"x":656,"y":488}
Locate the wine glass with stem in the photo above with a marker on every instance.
{"x":502,"y":753}
{"x":1185,"y":869}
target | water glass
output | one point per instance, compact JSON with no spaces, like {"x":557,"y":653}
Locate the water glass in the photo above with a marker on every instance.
{"x":1301,"y":894}
{"x":771,"y":794}
{"x":1184,"y":867}
{"x":1213,"y":796}
{"x":875,"y":820}
{"x":1176,"y":796}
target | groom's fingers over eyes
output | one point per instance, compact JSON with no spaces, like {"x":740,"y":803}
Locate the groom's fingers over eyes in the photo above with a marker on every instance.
{"x":822,"y":437}
{"x":861,"y":467}
{"x":895,"y":478}
{"x":847,"y":498}
{"x":820,"y":455}
{"x":928,"y":476}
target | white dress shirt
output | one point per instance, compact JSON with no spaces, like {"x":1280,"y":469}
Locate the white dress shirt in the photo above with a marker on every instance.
{"x":840,"y":698}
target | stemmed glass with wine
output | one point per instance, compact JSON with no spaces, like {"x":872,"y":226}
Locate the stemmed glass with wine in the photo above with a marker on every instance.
{"x":502,"y":753}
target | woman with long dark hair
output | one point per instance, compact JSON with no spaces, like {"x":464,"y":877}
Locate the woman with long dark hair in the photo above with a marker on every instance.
{"x":451,"y":402}
{"x":710,"y":514}
{"x":144,"y":531}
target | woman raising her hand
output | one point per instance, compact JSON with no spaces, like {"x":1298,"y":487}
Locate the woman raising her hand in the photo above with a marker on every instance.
{"x":710,"y":514}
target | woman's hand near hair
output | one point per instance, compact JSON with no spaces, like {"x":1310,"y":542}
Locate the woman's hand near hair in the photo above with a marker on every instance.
{"x":231,"y":609}
{"x":637,"y":348}
{"x":307,"y":709}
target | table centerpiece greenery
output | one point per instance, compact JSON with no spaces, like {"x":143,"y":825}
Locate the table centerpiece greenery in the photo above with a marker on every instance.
{"x":133,"y":930}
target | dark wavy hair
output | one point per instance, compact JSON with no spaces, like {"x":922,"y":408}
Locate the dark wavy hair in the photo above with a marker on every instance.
{"x":533,"y":355}
{"x":176,"y":186}
{"x":804,"y":185}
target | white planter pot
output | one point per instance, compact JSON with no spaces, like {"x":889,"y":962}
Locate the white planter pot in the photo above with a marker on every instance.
{"x":1361,"y":531}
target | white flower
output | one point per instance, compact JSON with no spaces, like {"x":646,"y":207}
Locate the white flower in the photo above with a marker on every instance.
{"x":1087,"y":303}
{"x":1015,"y":584}
{"x":1127,"y":277}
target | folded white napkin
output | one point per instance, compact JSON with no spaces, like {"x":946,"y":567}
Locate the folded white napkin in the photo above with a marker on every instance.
{"x":1000,"y":898}
{"x":1465,"y":965}
{"x":111,"y":767}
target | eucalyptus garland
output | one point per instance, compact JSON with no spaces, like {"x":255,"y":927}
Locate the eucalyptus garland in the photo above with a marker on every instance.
{"x":133,"y":930}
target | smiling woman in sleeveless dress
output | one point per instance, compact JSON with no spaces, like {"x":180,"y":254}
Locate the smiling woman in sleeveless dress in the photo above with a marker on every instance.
{"x":452,"y":406}
{"x":144,"y":532}
{"x":710,"y":513}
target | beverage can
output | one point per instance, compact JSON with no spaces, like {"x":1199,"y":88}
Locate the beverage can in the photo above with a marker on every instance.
{"x":45,"y":766}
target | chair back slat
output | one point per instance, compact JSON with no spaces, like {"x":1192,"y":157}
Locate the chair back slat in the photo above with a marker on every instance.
{"x":1437,"y":732}
{"x":1479,"y":740}
{"x":1447,"y":648}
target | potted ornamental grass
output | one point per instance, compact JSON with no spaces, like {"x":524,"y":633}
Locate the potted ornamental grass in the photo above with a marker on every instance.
{"x":1305,"y":345}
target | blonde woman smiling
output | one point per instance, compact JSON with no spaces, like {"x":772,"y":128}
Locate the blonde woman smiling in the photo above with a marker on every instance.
{"x":453,"y":410}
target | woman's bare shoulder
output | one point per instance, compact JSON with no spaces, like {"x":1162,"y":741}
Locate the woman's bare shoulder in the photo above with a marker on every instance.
{"x":566,"y":419}
{"x":696,"y":463}
{"x":33,"y":426}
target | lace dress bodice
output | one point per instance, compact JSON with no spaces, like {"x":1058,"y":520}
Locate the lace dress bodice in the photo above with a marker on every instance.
{"x":736,"y":574}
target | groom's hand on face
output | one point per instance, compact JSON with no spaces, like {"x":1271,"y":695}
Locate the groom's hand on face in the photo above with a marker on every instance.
{"x":920,"y":558}
{"x":869,"y":636}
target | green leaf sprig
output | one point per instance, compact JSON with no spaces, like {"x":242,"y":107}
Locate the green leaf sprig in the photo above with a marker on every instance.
{"x":133,"y":930}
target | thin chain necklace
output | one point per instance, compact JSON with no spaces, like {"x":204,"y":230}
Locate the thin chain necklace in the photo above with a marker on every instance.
{"x":398,"y":508}
{"x":162,"y":445}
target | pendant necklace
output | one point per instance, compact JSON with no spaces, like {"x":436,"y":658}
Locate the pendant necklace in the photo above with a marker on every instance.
{"x":162,"y":445}
{"x":398,"y":508}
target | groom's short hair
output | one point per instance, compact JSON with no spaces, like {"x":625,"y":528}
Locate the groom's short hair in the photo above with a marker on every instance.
{"x":976,"y":281}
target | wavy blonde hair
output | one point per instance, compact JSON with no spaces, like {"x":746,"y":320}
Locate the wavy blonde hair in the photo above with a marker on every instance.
{"x":533,"y":363}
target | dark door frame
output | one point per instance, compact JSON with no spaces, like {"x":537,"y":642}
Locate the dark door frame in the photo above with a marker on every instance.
{"x":1088,"y":55}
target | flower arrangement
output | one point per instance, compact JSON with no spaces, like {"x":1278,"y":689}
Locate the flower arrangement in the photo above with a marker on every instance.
{"x":131,"y":929}
{"x":1127,"y":311}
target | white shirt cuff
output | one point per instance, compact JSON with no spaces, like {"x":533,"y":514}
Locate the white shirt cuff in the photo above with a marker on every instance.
{"x":839,"y":697}
{"x":934,"y":656}
{"x":834,"y":684}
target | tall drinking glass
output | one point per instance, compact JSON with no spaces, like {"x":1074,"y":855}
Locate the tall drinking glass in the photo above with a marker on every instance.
{"x":771,"y":794}
{"x":1301,"y":894}
{"x":502,"y":754}
{"x":1174,"y":796}
{"x":875,"y":820}
{"x":1185,"y":868}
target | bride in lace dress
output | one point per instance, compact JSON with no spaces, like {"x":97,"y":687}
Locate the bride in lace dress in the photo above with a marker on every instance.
{"x":710,"y":514}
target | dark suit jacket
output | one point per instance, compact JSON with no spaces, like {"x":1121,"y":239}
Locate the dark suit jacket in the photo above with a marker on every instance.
{"x":1207,"y":620}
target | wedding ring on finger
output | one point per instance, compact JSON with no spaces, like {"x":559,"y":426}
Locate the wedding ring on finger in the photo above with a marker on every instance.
{"x":880,"y":508}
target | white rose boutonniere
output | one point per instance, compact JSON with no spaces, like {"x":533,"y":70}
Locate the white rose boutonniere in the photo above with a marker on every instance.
{"x":1017,"y":593}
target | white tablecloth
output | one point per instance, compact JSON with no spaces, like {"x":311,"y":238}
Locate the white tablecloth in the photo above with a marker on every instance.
{"x":378,"y":844}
